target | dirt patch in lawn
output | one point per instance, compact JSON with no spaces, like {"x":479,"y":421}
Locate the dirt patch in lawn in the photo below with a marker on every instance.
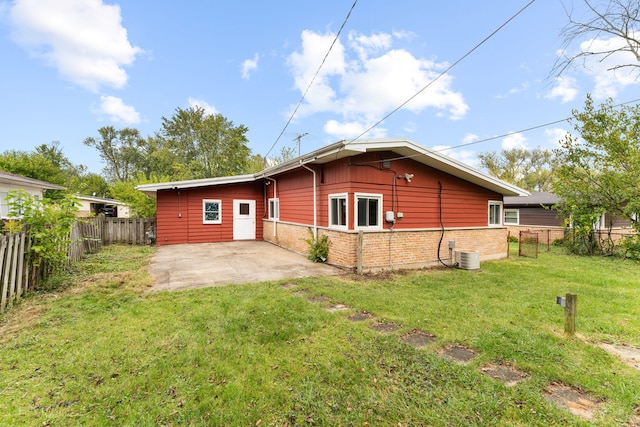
{"x":509,"y":375}
{"x":319,"y":299}
{"x":289,"y":285}
{"x":458,"y":353}
{"x":385,"y":328}
{"x":361,"y":316}
{"x":418,"y":338}
{"x":628,"y":354}
{"x":576,"y":401}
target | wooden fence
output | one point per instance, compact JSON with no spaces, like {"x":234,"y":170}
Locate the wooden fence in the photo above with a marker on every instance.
{"x":17,"y":275}
{"x":14,"y":278}
{"x":132,"y":231}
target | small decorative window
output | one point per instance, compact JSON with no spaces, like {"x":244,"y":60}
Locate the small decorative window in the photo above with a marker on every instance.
{"x":338,"y":211}
{"x":274,"y":208}
{"x":495,"y":213}
{"x":211,"y":212}
{"x":368,"y":210}
{"x":512,"y":216}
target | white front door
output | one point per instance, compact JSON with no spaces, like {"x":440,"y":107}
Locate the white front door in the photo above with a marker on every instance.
{"x":244,"y":220}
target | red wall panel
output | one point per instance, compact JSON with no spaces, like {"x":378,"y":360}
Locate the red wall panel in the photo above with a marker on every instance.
{"x":179,"y":218}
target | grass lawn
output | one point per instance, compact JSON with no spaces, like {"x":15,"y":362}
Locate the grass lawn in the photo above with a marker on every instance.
{"x":100,"y":351}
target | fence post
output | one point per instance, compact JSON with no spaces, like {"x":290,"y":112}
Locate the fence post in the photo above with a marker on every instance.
{"x":570,"y":314}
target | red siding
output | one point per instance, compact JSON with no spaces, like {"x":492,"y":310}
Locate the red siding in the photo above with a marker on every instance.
{"x":463,"y":204}
{"x":179,"y":213}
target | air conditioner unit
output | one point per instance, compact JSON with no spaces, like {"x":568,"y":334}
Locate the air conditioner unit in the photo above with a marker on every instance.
{"x":468,"y":260}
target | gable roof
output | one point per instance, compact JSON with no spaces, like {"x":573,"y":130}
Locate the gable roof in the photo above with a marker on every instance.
{"x":19,"y":180}
{"x":404,"y":148}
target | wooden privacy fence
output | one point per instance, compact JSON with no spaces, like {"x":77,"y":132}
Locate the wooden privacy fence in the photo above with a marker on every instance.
{"x":132,"y":231}
{"x":17,"y":275}
{"x":14,"y":279}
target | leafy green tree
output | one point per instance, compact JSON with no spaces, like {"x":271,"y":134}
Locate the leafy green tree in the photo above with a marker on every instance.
{"x":209,"y":145}
{"x":528,"y":169}
{"x":140,"y":205}
{"x":122,"y":150}
{"x":599,"y":172}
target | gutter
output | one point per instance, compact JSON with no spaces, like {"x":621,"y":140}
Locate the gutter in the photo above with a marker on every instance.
{"x":315,"y":202}
{"x":275,"y":196}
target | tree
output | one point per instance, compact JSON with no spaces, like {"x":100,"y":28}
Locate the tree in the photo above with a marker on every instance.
{"x":599,"y":172}
{"x":141,"y":205}
{"x":528,"y":169}
{"x":617,"y":19}
{"x":208,"y":145}
{"x":121,"y":150}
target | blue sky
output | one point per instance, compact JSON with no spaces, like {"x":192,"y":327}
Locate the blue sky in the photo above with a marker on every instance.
{"x":73,"y":66}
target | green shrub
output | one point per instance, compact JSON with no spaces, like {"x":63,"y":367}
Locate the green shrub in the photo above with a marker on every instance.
{"x":318,"y":247}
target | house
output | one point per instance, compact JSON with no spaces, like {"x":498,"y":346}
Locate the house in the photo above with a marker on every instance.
{"x":10,"y":181}
{"x":536,"y":212}
{"x":91,"y":205}
{"x":384,"y":204}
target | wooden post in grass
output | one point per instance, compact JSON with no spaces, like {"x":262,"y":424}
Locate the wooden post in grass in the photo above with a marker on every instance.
{"x":570,"y":314}
{"x":359,"y":252}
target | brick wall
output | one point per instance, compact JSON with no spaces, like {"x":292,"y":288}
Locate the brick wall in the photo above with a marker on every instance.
{"x":392,"y":249}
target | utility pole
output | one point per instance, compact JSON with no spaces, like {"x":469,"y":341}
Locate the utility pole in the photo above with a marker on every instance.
{"x":298,"y":138}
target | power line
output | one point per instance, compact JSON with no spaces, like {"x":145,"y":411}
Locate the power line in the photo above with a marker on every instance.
{"x":444,"y":72}
{"x":313,"y":78}
{"x":524,"y":130}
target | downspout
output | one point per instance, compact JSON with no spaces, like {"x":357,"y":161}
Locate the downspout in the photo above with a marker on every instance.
{"x":315,"y":207}
{"x":275,"y":196}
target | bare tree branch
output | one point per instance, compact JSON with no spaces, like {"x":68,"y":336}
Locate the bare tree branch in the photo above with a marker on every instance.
{"x":616,"y":19}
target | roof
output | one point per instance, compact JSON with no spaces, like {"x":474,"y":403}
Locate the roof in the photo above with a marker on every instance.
{"x":19,"y":180}
{"x":404,"y":148}
{"x":101,"y":200}
{"x":534,"y":199}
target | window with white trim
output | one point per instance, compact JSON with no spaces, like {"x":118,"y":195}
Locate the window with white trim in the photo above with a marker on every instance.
{"x":338,"y":211}
{"x":368,"y":210}
{"x":211,"y":211}
{"x":495,"y":213}
{"x":512,"y":216}
{"x":4,"y":205}
{"x":274,"y":208}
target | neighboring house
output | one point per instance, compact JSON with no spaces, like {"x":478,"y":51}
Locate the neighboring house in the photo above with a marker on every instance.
{"x":10,"y":181}
{"x":91,"y":205}
{"x":383,"y":204}
{"x":537,"y":212}
{"x":536,"y":209}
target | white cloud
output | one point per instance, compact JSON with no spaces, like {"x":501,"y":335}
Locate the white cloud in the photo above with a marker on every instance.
{"x":468,"y":157}
{"x":514,"y":140}
{"x":565,"y":89}
{"x":348,"y":130}
{"x":117,"y":111}
{"x":208,"y":109}
{"x":603,"y":68}
{"x":83,"y":39}
{"x":364,"y":83}
{"x":249,"y":65}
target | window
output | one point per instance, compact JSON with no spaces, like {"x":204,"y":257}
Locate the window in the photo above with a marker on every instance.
{"x":211,"y":212}
{"x":274,"y":208}
{"x":495,"y":213}
{"x":4,"y":205}
{"x":368,"y":211}
{"x":512,"y":216}
{"x":338,"y":211}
